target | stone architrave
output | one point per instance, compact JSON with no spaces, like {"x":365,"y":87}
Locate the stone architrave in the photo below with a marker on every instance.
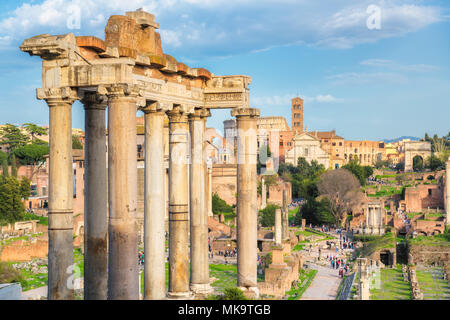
{"x":95,"y":199}
{"x":123,"y":271}
{"x":247,"y":208}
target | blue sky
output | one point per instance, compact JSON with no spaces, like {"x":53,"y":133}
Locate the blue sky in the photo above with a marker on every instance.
{"x":365,"y":83}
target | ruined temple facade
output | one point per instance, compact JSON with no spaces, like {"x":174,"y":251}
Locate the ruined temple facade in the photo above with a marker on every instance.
{"x":126,"y":72}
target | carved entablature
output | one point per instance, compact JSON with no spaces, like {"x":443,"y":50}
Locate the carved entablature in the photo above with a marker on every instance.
{"x":227,"y":92}
{"x":50,"y":47}
{"x":131,"y":54}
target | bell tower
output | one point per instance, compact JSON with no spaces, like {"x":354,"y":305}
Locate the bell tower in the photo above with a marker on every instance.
{"x":297,"y":115}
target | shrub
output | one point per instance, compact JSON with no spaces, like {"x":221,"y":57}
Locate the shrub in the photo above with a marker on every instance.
{"x":219,"y":205}
{"x":8,"y":274}
{"x":267,"y":215}
{"x":234,"y":294}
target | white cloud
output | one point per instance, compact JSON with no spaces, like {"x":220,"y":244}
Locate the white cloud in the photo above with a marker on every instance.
{"x":224,"y":27}
{"x":285,"y":100}
{"x":357,"y":78}
{"x":389,"y":64}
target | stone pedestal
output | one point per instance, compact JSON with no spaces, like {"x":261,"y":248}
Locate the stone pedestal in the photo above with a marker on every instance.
{"x":154,"y":203}
{"x":60,"y":194}
{"x":95,"y":199}
{"x":123,"y":273}
{"x":247,"y":208}
{"x":178,"y":204}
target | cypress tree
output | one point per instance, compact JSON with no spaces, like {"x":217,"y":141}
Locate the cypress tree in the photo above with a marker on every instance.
{"x":5,"y":168}
{"x":13,"y":166}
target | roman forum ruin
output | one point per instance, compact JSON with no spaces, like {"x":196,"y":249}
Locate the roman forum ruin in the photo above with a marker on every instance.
{"x":122,"y":74}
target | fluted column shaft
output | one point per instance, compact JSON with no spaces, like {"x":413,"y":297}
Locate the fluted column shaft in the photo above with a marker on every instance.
{"x":178,"y":204}
{"x":123,"y":274}
{"x":95,"y":199}
{"x":247,"y":204}
{"x":154,"y":204}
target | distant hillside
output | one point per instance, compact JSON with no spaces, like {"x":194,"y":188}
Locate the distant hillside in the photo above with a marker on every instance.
{"x":401,"y":138}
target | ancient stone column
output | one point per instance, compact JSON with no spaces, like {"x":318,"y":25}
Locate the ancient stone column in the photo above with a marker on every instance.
{"x":447,"y":189}
{"x":199,"y":282}
{"x":263,"y":194}
{"x":123,"y":274}
{"x":154,"y":203}
{"x":278,"y":227}
{"x":285,"y":217}
{"x":95,"y":198}
{"x":209,"y":190}
{"x":178,"y":204}
{"x":247,"y":197}
{"x":60,"y":194}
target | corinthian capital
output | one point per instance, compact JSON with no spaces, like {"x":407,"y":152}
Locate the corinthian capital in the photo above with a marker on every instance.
{"x":200,"y":114}
{"x":245,"y":112}
{"x":93,"y":100}
{"x":121,"y":90}
{"x":57,"y":95}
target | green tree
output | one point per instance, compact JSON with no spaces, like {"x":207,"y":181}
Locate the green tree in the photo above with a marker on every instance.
{"x":358,"y":170}
{"x":267,"y":215}
{"x":219,"y":205}
{"x":315,"y":212}
{"x":434,"y":163}
{"x":3,"y":156}
{"x":13,"y":166}
{"x":76,"y":143}
{"x":418,"y":164}
{"x":5,"y":168}
{"x":32,"y":154}
{"x":25,"y":188}
{"x":35,"y":130}
{"x":12,"y":136}
{"x":11,"y":206}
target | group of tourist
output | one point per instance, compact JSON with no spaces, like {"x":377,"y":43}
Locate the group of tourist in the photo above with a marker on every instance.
{"x":228,"y":253}
{"x":338,"y":264}
{"x":141,"y":258}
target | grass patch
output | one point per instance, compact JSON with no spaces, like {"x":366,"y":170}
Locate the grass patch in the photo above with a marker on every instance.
{"x":392,"y":286}
{"x":439,"y":239}
{"x":31,"y":216}
{"x":386,"y":241}
{"x":386,"y":191}
{"x":304,"y":280}
{"x":432,"y":284}
{"x":11,"y":240}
